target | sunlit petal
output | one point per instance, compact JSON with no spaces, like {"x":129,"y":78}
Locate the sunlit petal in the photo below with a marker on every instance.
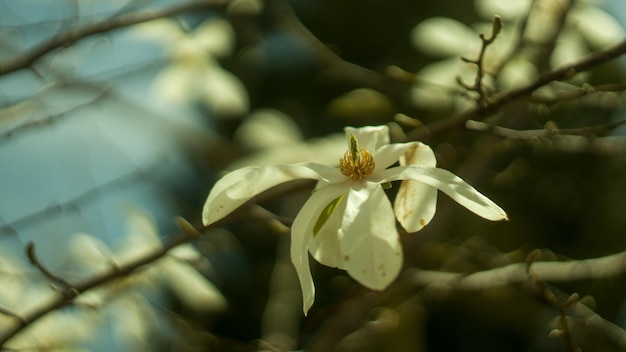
{"x":326,"y":173}
{"x":324,"y":246}
{"x":370,"y":245}
{"x":370,"y":137}
{"x":239,"y":186}
{"x":389,"y":154}
{"x":449,"y":184}
{"x":416,"y":202}
{"x":301,"y":232}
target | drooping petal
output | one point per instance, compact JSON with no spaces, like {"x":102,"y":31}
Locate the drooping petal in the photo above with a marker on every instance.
{"x":239,"y":186}
{"x":416,"y":202}
{"x":370,"y":137}
{"x":324,"y":246}
{"x":449,"y":184}
{"x":370,"y":243}
{"x":301,"y":232}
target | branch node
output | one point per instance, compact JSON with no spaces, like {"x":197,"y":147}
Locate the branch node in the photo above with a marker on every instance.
{"x":187,"y":227}
{"x":64,"y":286}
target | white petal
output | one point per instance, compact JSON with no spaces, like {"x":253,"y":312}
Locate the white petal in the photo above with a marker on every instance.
{"x":327,"y":174}
{"x":449,"y":184}
{"x":239,"y":186}
{"x":598,"y":27}
{"x":223,"y":92}
{"x":508,"y":10}
{"x":370,"y":137}
{"x":442,"y":36}
{"x":301,"y":232}
{"x":419,"y":154}
{"x":194,"y":290}
{"x":324,"y":246}
{"x":370,"y":243}
{"x":416,"y":202}
{"x":389,"y":154}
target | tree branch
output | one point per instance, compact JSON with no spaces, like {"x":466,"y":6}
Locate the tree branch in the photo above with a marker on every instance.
{"x":518,"y":274}
{"x":68,"y":290}
{"x":596,"y":130}
{"x":62,"y":300}
{"x":498,"y":101}
{"x":72,"y":35}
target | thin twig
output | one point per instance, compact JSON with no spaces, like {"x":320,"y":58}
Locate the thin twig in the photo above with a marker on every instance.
{"x":12,"y":314}
{"x":188,"y":233}
{"x":68,"y":290}
{"x":91,"y":283}
{"x":596,"y":130}
{"x":72,"y":35}
{"x":496,"y":27}
{"x":578,"y":92}
{"x":517,"y":274}
{"x":4,"y":136}
{"x":553,"y":298}
{"x":498,"y":101}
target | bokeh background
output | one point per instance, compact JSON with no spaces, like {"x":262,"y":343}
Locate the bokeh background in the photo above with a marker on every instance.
{"x":106,"y":140}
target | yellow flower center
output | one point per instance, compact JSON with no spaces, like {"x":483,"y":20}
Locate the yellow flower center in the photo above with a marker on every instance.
{"x":357,"y":163}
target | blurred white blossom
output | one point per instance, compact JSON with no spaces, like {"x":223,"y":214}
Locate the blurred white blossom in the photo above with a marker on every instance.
{"x":194,"y":75}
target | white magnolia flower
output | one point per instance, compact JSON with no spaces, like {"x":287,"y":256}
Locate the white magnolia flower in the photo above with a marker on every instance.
{"x":348,"y":222}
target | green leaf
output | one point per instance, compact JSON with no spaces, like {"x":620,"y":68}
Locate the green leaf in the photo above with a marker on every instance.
{"x":326,"y":213}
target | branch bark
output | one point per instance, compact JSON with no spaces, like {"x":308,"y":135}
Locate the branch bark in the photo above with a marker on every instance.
{"x":498,"y":101}
{"x":72,"y":35}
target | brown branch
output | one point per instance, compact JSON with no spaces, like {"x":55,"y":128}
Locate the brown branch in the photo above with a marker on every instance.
{"x":188,"y":233}
{"x":26,"y":126}
{"x":498,"y":101}
{"x":517,"y":274}
{"x":9,"y":313}
{"x":72,"y":35}
{"x":596,"y":130}
{"x":120,"y":271}
{"x":496,"y":27}
{"x":554,"y":297}
{"x":578,"y":92}
{"x":68,"y":290}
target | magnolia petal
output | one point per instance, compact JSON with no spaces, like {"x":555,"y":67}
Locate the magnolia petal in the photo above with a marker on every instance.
{"x":327,"y":174}
{"x":324,"y":246}
{"x":370,"y":137}
{"x":419,"y":154}
{"x":370,"y":245}
{"x":449,"y":184}
{"x":389,"y":154}
{"x":239,"y":186}
{"x":301,"y":232}
{"x":416,"y":202}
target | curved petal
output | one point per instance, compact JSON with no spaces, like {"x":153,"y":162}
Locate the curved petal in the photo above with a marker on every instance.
{"x":389,"y":154}
{"x":415,"y":205}
{"x":419,"y":154}
{"x":370,"y":137}
{"x":416,"y":202}
{"x":324,"y":246}
{"x":301,"y":232}
{"x":239,"y":186}
{"x":449,"y":184}
{"x":370,"y":244}
{"x":326,"y":173}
